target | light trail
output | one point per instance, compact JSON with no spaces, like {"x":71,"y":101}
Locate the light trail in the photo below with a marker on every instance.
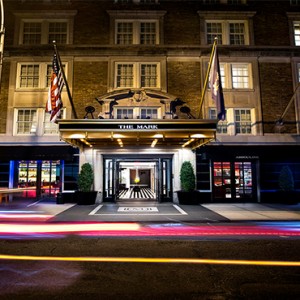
{"x":153,"y":260}
{"x":139,"y":230}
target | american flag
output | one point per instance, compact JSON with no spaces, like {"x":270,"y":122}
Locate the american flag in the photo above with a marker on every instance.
{"x":216,"y":86}
{"x":54,"y":102}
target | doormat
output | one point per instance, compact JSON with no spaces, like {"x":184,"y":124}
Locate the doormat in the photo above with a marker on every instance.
{"x":137,"y":209}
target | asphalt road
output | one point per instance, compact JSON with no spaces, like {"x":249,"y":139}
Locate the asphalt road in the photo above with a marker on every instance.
{"x":75,"y":279}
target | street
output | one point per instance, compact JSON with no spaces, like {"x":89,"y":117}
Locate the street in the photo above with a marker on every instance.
{"x":75,"y":267}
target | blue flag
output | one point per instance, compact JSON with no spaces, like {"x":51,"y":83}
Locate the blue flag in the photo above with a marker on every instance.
{"x":216,"y":86}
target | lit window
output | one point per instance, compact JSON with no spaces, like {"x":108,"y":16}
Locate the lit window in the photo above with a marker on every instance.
{"x":34,"y":76}
{"x":29,"y":76}
{"x":235,"y":75}
{"x":125,"y":75}
{"x":297,"y":33}
{"x":148,"y":75}
{"x":137,"y":75}
{"x":49,"y":127}
{"x":240,"y":76}
{"x":27,"y":121}
{"x":242,"y":119}
{"x":136,"y":32}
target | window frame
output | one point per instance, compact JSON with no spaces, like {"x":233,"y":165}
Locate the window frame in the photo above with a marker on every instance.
{"x":45,"y":18}
{"x":225,"y":27}
{"x":136,"y":31}
{"x":17,"y":122}
{"x":227,"y":75}
{"x":137,"y":74}
{"x":44,"y":76}
{"x":226,"y":18}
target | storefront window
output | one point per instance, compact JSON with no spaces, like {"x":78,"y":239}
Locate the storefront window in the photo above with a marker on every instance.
{"x":232,"y":180}
{"x":42,"y":176}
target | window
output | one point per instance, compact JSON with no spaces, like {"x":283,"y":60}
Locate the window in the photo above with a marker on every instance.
{"x":297,"y":32}
{"x":125,"y":113}
{"x":34,"y":76}
{"x":50,"y":127}
{"x":32,"y":33}
{"x":222,"y":125}
{"x":242,"y":119}
{"x":227,"y":32}
{"x":29,"y":76}
{"x":27,"y":121}
{"x":149,"y":113}
{"x":137,"y":75}
{"x":136,"y":32}
{"x":236,"y":75}
{"x":36,"y":32}
{"x":138,"y":113}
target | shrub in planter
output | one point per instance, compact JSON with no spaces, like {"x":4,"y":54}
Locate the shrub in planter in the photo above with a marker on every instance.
{"x":187,"y":194}
{"x":85,"y":194}
{"x":287,"y":193}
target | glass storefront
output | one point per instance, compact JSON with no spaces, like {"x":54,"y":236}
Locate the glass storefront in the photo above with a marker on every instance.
{"x":43,"y":177}
{"x":232,"y":180}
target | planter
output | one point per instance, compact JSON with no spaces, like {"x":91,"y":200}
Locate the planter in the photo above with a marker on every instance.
{"x":287,"y":197}
{"x":188,"y":198}
{"x":86,"y":198}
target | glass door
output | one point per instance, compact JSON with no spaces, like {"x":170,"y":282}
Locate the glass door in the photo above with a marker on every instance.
{"x":233,"y":180}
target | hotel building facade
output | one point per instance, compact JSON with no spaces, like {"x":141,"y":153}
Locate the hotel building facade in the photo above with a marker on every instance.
{"x":135,"y":71}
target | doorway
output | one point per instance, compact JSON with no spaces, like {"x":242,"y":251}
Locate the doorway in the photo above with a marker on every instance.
{"x":146,"y":179}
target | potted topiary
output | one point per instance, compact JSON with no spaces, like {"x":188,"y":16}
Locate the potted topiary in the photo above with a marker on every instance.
{"x":85,"y":195}
{"x":287,"y":193}
{"x":187,"y":194}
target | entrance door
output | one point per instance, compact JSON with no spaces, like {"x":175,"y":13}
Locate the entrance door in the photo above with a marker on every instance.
{"x":233,"y":180}
{"x":143,"y":179}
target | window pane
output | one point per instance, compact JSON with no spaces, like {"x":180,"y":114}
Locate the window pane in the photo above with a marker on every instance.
{"x":27,"y":122}
{"x":29,"y":76}
{"x":242,"y":121}
{"x":149,"y":75}
{"x":58,"y":32}
{"x":222,"y":125}
{"x":49,"y":127}
{"x":125,"y":75}
{"x":240,"y":76}
{"x":213,"y":30}
{"x":32,"y":33}
{"x":148,"y":113}
{"x":124,"y":33}
{"x":148,"y":33}
{"x":297,"y":33}
{"x":237,"y":34}
{"x":124,"y":113}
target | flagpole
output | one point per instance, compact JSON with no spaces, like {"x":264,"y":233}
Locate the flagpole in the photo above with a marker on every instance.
{"x":207,"y":75}
{"x":65,"y":80}
{"x":280,"y":120}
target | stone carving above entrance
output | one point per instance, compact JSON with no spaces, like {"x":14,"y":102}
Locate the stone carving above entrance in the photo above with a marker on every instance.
{"x":135,"y":104}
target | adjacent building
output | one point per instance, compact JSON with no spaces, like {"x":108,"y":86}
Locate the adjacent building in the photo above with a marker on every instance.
{"x":136,"y":75}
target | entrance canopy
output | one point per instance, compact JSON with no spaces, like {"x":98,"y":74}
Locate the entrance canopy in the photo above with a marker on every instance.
{"x":191,"y":133}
